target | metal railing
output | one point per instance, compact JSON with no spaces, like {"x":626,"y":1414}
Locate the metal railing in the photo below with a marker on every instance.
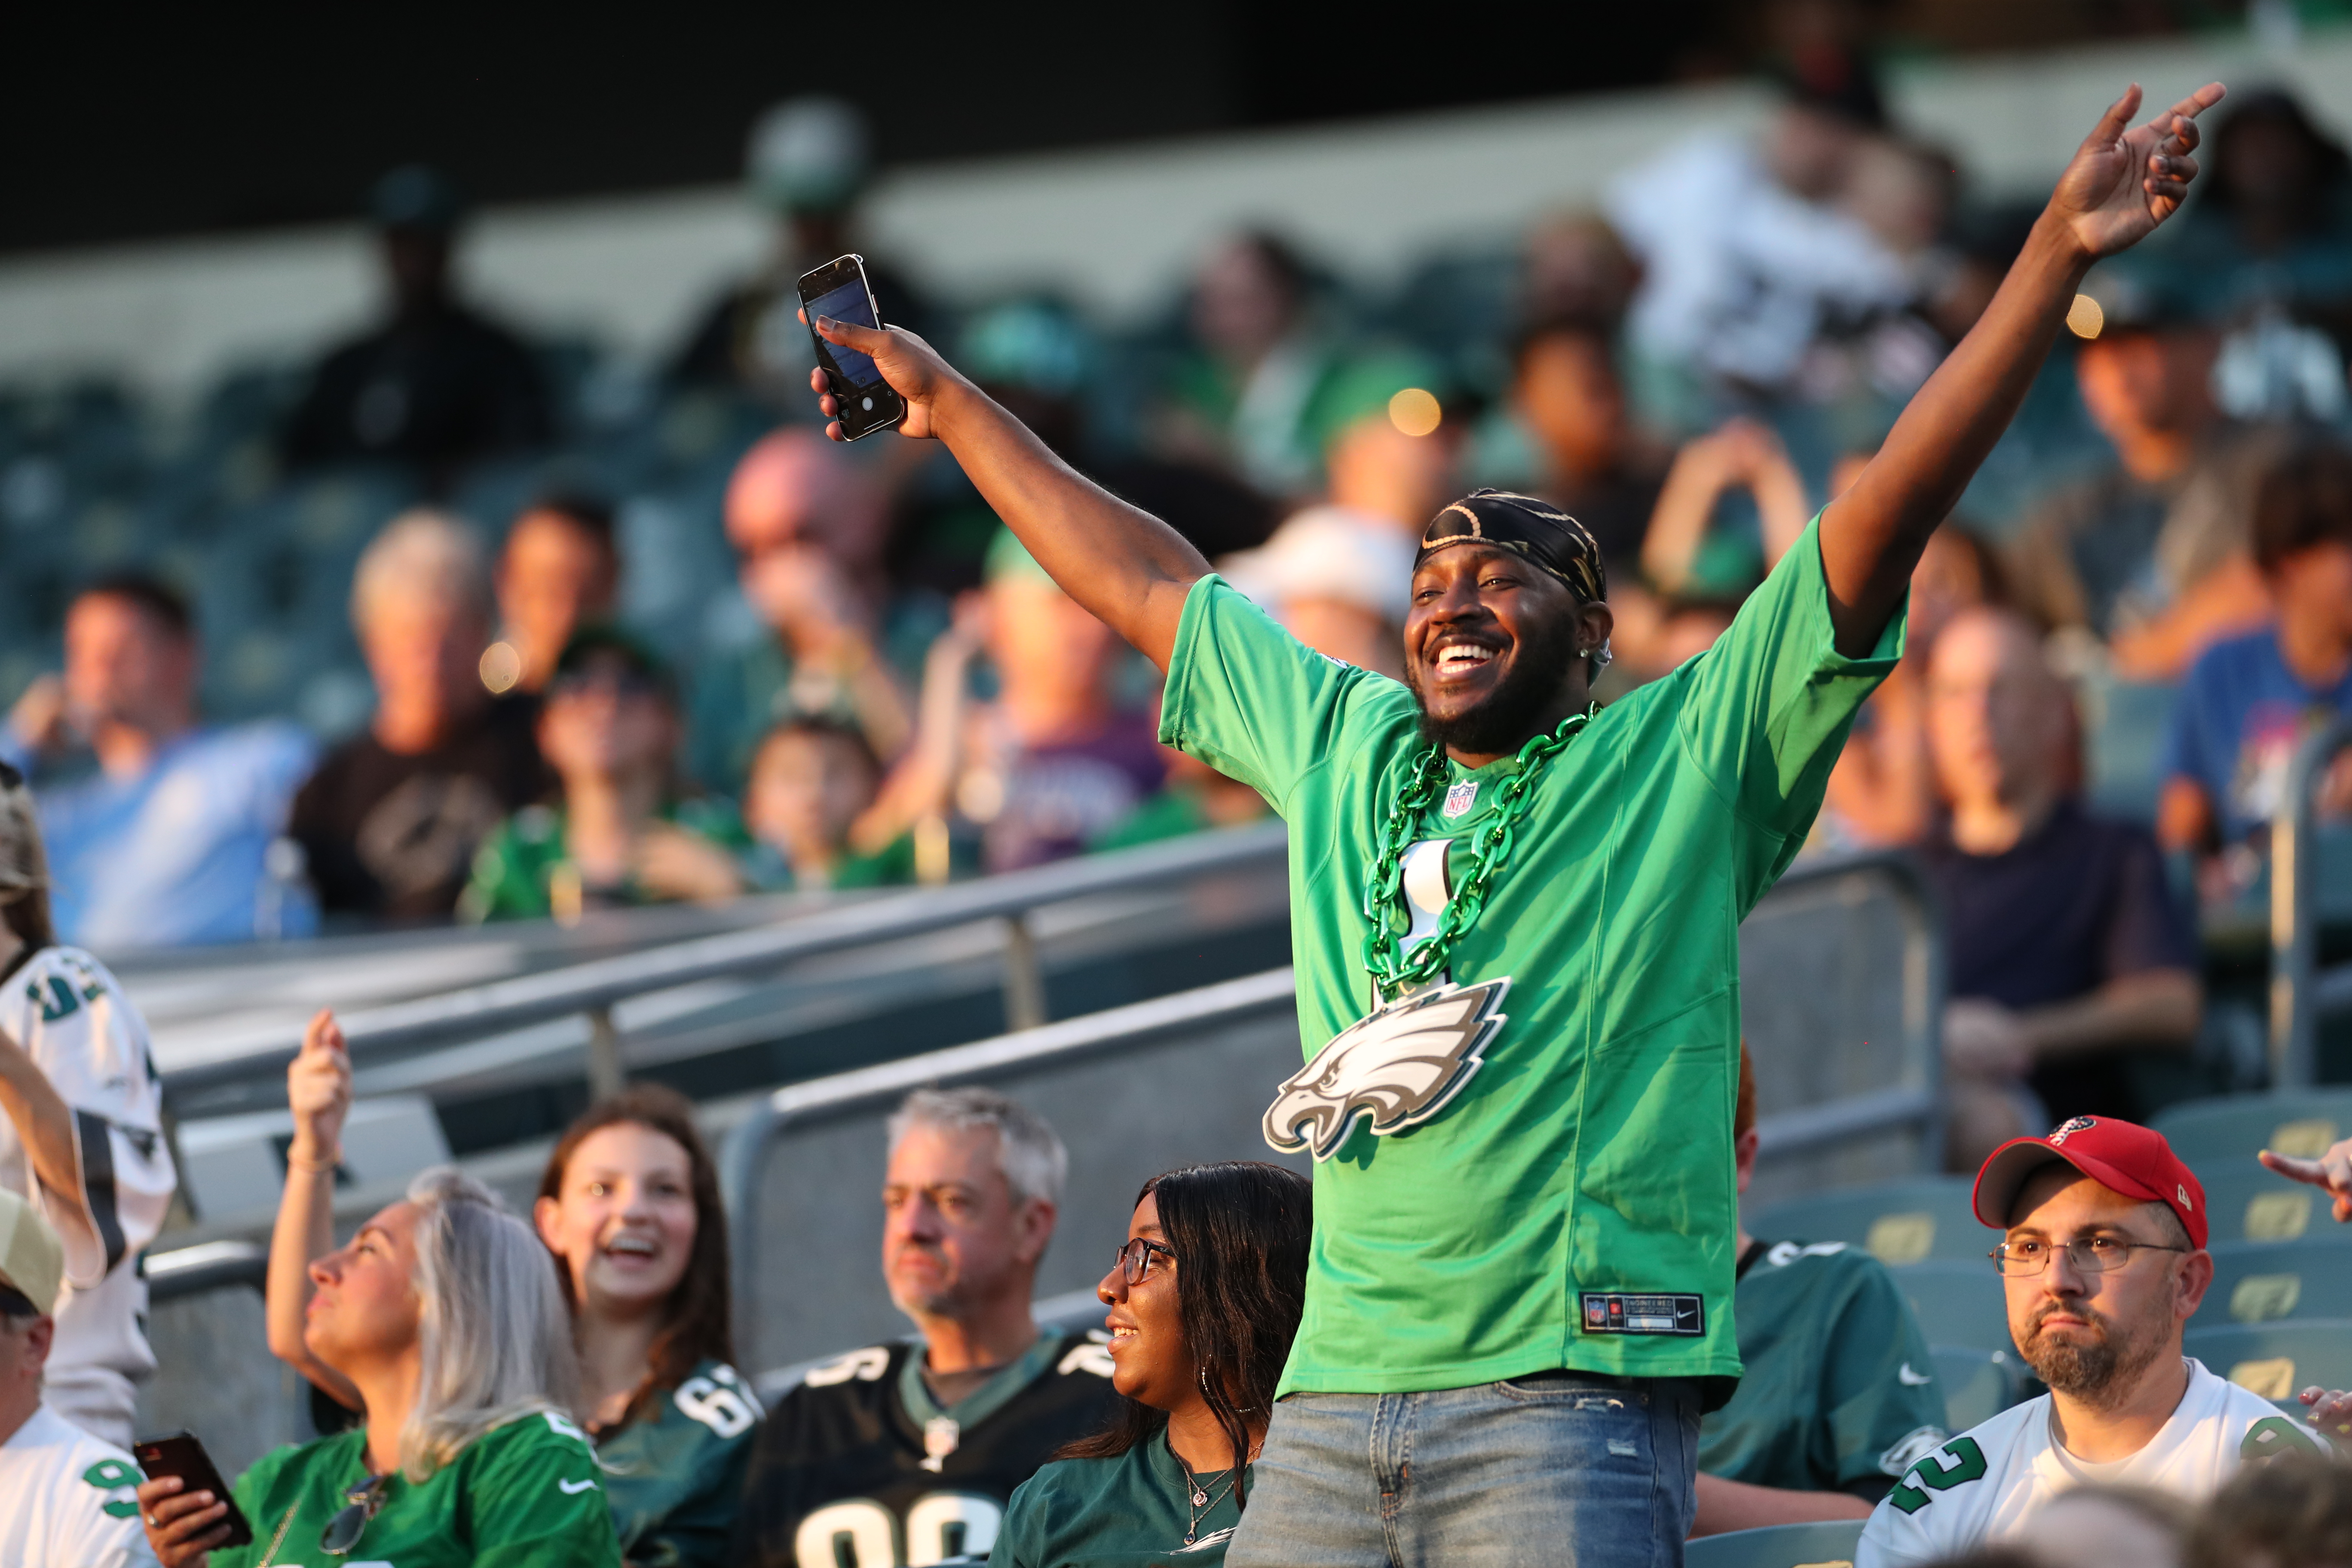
{"x":2301,"y":995}
{"x":593,"y":988}
{"x":812,"y":1108}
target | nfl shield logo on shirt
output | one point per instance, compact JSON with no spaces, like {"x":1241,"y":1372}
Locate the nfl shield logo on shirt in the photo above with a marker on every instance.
{"x":1459,"y":798}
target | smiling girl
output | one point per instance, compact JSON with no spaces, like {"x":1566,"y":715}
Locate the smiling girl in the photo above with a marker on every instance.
{"x":629,"y":1207}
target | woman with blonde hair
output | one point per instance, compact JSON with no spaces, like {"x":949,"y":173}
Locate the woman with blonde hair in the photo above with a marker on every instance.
{"x":442,"y":1321}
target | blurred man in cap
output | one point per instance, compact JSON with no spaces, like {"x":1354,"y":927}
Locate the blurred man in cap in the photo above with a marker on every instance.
{"x":64,"y":1497}
{"x":808,"y":162}
{"x":437,"y":384}
{"x":2103,"y":1263}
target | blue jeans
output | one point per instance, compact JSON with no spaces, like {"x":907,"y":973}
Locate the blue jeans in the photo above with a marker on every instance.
{"x":1563,"y":1468}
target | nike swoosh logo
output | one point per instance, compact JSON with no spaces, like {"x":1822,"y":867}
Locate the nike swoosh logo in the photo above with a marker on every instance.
{"x":573,"y":1488}
{"x":1910,"y":1379}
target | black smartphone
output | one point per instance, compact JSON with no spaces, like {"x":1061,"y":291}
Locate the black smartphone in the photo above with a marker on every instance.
{"x":179,"y":1454}
{"x":839,"y":290}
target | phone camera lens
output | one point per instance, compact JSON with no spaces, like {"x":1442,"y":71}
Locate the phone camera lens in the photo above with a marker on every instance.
{"x":868,"y":405}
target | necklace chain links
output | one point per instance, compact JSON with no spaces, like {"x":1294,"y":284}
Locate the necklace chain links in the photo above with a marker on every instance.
{"x":1392,"y":969}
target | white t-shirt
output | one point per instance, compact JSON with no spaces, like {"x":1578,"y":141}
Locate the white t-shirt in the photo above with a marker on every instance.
{"x":1983,"y":1485}
{"x":68,"y":1013}
{"x":66,"y":1498}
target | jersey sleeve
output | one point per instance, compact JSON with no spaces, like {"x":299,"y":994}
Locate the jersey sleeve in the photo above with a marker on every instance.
{"x":694,"y":1534}
{"x":1767,"y":708}
{"x":1879,"y":1393}
{"x":110,"y":1534}
{"x":1927,"y":1515}
{"x":1250,"y":700}
{"x":539,"y":1498}
{"x":1021,"y":1539}
{"x":92,"y":1045}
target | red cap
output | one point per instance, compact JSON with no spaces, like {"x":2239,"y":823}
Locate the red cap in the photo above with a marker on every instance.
{"x":2120,"y":1155}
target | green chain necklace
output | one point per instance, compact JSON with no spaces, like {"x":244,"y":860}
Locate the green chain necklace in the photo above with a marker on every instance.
{"x":1392,"y":969}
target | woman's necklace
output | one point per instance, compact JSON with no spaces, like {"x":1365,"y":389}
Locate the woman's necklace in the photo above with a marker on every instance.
{"x":1199,"y":1499}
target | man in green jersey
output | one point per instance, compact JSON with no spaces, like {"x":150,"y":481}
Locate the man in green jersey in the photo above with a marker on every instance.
{"x":1514,"y":922}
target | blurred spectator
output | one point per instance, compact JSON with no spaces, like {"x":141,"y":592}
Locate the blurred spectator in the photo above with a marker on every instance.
{"x":2274,"y":225}
{"x":813,"y":779}
{"x":2248,"y":701}
{"x":390,"y":821}
{"x":2099,"y":1525}
{"x":1339,"y":581}
{"x":560,"y":570}
{"x":1574,"y":266}
{"x":808,"y":162}
{"x":82,"y":1133}
{"x":1053,"y":761}
{"x":2294,"y":1513}
{"x":807,"y":525}
{"x":964,"y":1414}
{"x":1837,"y":1391}
{"x":1596,"y":465}
{"x":2151,"y":553}
{"x":438,"y":384}
{"x":64,"y":1497}
{"x":1196,"y":797}
{"x":2070,"y":968}
{"x":620,"y":831}
{"x":169,"y":840}
{"x":1745,"y":258}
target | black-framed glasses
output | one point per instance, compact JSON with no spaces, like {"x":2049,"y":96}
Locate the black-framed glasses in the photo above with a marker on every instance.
{"x":1135,"y":1260}
{"x":351,"y":1521}
{"x":2088,"y":1254}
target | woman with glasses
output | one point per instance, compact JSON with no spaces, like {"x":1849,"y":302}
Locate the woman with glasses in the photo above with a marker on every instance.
{"x":629,"y":1207}
{"x":621,"y":830}
{"x":1205,"y":1301}
{"x":442,"y":1319}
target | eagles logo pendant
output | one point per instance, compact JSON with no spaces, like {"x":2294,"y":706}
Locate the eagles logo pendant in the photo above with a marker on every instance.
{"x":1396,"y":1068}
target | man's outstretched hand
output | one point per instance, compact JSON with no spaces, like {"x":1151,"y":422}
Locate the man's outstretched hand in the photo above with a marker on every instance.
{"x":2332,"y":1170}
{"x":912,"y":367}
{"x":2125,"y":179}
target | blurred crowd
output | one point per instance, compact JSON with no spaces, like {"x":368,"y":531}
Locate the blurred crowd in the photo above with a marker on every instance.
{"x":452,"y":625}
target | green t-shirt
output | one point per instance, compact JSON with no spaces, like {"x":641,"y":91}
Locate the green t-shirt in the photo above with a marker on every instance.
{"x":1839,"y":1392}
{"x":1565,"y":1197}
{"x":675,"y":1475}
{"x":515,"y":869}
{"x":524,"y":1495}
{"x":1126,"y":1512}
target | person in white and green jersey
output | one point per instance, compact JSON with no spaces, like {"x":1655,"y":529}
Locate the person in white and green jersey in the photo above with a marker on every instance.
{"x":1514,"y":925}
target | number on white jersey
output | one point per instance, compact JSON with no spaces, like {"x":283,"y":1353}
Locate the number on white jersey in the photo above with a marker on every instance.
{"x":722,"y":1410}
{"x":860,"y":1533}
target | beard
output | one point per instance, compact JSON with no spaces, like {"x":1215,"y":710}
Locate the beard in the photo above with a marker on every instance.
{"x":1507,"y":716}
{"x":2100,"y":1371}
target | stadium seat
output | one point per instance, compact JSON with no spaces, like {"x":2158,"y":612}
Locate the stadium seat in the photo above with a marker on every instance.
{"x":2262,"y":1281}
{"x":2277,"y":1360}
{"x":2211,"y":1133}
{"x":1958,"y":1303}
{"x":1826,"y":1545}
{"x":2245,"y":1203}
{"x":1979,"y":1384}
{"x":1899,"y":1222}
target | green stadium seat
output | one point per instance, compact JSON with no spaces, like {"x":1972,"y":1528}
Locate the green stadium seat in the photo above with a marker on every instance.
{"x":1958,"y":1303}
{"x":1900,"y":1222}
{"x":2217,"y":1132}
{"x":2264,"y":1282}
{"x":2277,"y":1360}
{"x":1979,"y":1384}
{"x":1825,"y":1545}
{"x":2245,"y":1203}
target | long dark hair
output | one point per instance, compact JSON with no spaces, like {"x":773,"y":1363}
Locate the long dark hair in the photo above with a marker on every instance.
{"x":698,"y":1317}
{"x":1239,"y":1229}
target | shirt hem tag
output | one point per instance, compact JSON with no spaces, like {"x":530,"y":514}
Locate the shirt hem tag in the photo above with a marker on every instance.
{"x":1613,"y":1312}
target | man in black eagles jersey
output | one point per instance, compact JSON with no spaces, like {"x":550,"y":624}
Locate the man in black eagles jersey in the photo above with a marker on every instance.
{"x":905,"y":1453}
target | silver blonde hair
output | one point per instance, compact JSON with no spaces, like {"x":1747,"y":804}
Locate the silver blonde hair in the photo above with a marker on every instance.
{"x":1028,"y":1151}
{"x":493,"y":1333}
{"x":423,"y":555}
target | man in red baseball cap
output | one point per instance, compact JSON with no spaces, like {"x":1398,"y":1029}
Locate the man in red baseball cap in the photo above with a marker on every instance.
{"x":2103,"y":1259}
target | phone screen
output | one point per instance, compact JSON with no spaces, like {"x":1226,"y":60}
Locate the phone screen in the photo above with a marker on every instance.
{"x":848,"y":303}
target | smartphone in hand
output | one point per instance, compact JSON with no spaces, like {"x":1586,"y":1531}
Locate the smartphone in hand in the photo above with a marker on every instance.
{"x":839,"y":290}
{"x":179,"y":1454}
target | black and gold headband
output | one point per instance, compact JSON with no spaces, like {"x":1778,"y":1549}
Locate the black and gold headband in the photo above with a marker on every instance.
{"x":1535,"y":529}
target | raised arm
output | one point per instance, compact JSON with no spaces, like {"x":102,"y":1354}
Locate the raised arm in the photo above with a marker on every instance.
{"x":2122,"y":183}
{"x":1121,"y":563}
{"x":319,"y":1092}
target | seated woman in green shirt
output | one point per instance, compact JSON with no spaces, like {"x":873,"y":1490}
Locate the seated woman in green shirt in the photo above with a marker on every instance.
{"x":1205,"y":1301}
{"x":443,"y":1320}
{"x":622,"y":830}
{"x":629,"y":1207}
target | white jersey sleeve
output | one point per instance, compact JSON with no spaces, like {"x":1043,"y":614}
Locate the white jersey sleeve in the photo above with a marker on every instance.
{"x":67,"y":1499}
{"x":82,"y":1032}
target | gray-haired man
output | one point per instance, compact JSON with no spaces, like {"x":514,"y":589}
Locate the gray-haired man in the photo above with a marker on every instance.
{"x":907,"y":1452}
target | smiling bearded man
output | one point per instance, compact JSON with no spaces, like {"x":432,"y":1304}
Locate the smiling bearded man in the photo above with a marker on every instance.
{"x":1514,"y":922}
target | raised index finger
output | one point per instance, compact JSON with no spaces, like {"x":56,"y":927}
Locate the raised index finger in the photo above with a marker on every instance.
{"x":2190,"y":107}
